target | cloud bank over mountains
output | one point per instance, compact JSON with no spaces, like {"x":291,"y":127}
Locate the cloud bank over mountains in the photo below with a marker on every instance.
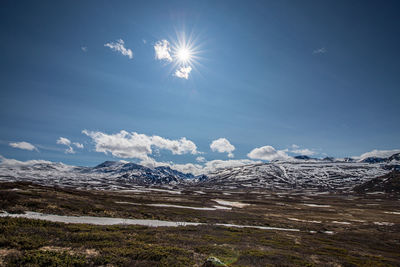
{"x":146,"y":148}
{"x":378,"y":153}
{"x":139,"y":146}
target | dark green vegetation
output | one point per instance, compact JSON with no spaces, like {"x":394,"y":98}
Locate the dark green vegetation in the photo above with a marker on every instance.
{"x":366,"y":229}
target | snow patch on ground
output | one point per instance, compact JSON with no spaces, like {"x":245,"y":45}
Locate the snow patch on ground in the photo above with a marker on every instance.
{"x":166,"y":191}
{"x":222,"y":207}
{"x":337,"y":222}
{"x":300,"y":220}
{"x":316,"y":205}
{"x":393,"y":212}
{"x":117,"y":221}
{"x":175,"y":206}
{"x":178,"y":206}
{"x":230,"y":203}
{"x":384,"y":223}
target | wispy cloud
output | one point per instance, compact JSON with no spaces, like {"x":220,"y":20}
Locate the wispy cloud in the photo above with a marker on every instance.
{"x":222,"y":145}
{"x":162,"y":50}
{"x":119,"y":46}
{"x":183,"y":72}
{"x":139,"y":146}
{"x":66,"y":142}
{"x":267,"y":153}
{"x":23,"y":145}
{"x":84,"y":48}
{"x":321,"y":50}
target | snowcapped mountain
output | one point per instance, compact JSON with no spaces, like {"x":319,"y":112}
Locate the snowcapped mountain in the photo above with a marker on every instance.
{"x":319,"y":175}
{"x":303,"y":172}
{"x":107,"y":175}
{"x":393,"y":159}
{"x":298,"y":173}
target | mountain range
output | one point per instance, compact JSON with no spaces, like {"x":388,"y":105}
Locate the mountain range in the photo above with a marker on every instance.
{"x":301,"y":173}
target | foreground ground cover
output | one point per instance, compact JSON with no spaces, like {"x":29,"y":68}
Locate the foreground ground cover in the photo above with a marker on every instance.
{"x":335,"y":229}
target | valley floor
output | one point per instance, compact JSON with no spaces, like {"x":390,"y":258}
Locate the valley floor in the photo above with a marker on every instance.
{"x":286,"y":228}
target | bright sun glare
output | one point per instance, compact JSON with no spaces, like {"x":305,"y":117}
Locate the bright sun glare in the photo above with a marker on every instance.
{"x":183,"y":54}
{"x":185,"y":51}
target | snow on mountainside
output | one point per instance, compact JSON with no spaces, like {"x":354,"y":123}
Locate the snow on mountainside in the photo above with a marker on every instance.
{"x":298,"y":173}
{"x":302,"y":173}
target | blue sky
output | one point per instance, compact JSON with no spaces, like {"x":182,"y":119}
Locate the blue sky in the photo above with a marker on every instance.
{"x":284,"y":76}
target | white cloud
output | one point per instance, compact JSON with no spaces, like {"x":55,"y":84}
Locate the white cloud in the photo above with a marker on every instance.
{"x":152,"y":163}
{"x":78,"y":145}
{"x":23,"y":145}
{"x":163,"y":49}
{"x":222,"y":145}
{"x":294,"y":146}
{"x":195,"y":169}
{"x":119,"y":47}
{"x":378,"y":154}
{"x":84,"y":48}
{"x":66,"y":142}
{"x":134,"y":145}
{"x":183,"y":72}
{"x":200,"y":159}
{"x":63,"y":141}
{"x":305,"y":151}
{"x":267,"y":153}
{"x":14,"y":162}
{"x":178,"y":147}
{"x":321,"y":50}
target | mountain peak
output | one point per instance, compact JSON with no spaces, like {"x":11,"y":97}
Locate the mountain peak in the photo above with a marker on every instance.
{"x":107,"y":163}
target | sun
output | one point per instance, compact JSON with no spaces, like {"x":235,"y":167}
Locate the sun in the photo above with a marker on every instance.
{"x":183,"y":54}
{"x":184,"y":50}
